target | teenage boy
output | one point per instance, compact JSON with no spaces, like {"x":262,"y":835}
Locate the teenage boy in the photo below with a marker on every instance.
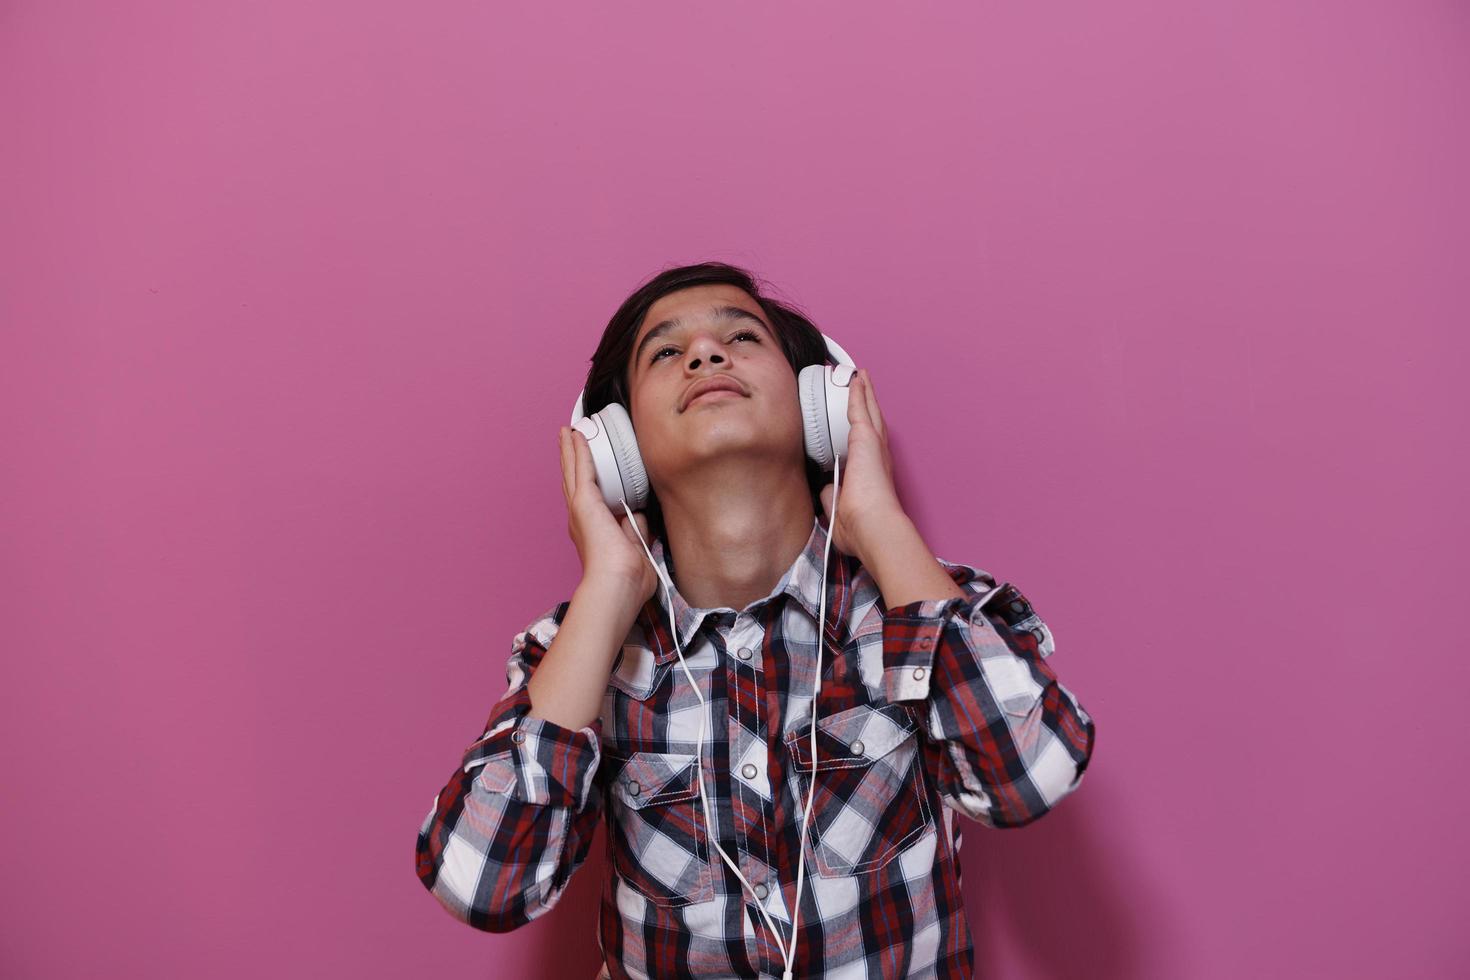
{"x":935,"y":695}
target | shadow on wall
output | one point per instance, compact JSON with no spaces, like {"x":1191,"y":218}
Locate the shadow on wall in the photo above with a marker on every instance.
{"x":1044,"y":903}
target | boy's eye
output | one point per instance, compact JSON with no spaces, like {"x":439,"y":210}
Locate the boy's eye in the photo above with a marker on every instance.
{"x":744,"y":333}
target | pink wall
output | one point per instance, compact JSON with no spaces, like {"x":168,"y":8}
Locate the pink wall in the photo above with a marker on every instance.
{"x":294,"y":296}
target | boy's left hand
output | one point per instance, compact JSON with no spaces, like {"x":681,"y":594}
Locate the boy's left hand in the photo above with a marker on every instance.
{"x":869,"y":507}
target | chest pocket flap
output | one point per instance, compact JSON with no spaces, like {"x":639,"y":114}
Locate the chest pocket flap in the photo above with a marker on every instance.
{"x":855,"y":737}
{"x":653,"y":778}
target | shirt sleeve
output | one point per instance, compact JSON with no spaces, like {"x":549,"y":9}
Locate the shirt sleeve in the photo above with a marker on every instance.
{"x":517,"y":817}
{"x":1011,"y":740}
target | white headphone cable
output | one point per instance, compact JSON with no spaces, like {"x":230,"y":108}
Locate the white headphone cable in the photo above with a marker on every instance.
{"x":709,"y":821}
{"x":788,"y":956}
{"x":816,"y":689}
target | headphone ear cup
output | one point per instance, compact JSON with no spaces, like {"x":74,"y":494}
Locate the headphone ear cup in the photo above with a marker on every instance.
{"x":816,"y":426}
{"x":630,"y":476}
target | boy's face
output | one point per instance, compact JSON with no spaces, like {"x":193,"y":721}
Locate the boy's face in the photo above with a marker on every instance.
{"x":763,"y":419}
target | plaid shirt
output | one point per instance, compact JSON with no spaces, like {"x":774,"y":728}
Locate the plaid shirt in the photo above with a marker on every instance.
{"x":939,"y":701}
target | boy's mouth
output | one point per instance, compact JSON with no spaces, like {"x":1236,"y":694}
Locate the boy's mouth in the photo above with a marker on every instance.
{"x":709,"y":387}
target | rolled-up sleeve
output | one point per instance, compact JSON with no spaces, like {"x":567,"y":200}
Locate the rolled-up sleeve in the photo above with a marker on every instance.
{"x":1012,"y":740}
{"x":516,"y":819}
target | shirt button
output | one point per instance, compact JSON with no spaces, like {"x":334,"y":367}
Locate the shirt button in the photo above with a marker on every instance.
{"x":761,"y":891}
{"x":749,"y":771}
{"x":518,"y":736}
{"x":926,"y":641}
{"x":634,"y":788}
{"x":857,"y":747}
{"x":744,"y":653}
{"x":919,"y":673}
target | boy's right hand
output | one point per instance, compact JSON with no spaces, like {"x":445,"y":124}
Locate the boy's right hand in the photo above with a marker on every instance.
{"x":606,"y":543}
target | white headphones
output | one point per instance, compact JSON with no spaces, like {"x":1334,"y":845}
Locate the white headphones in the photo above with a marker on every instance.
{"x":823,"y":389}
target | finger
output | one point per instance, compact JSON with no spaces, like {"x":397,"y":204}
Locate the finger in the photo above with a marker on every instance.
{"x":857,"y":401}
{"x":873,"y":411}
{"x":826,"y":496}
{"x":586,"y":472}
{"x":568,"y":463}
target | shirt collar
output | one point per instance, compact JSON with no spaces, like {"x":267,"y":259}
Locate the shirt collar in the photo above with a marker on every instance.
{"x":802,"y":581}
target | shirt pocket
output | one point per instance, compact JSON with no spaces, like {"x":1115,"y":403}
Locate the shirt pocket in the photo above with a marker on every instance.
{"x":869,"y":802}
{"x":659,"y":842}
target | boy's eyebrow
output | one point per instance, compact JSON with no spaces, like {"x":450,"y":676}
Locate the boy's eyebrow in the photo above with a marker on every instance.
{"x":717,"y":313}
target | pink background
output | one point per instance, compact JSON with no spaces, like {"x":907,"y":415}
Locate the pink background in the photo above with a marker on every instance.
{"x":1164,"y":303}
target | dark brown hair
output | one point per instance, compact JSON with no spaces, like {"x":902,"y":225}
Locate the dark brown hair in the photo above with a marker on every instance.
{"x":607,"y":380}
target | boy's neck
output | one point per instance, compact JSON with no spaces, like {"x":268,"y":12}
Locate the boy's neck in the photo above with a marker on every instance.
{"x":730,"y":544}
